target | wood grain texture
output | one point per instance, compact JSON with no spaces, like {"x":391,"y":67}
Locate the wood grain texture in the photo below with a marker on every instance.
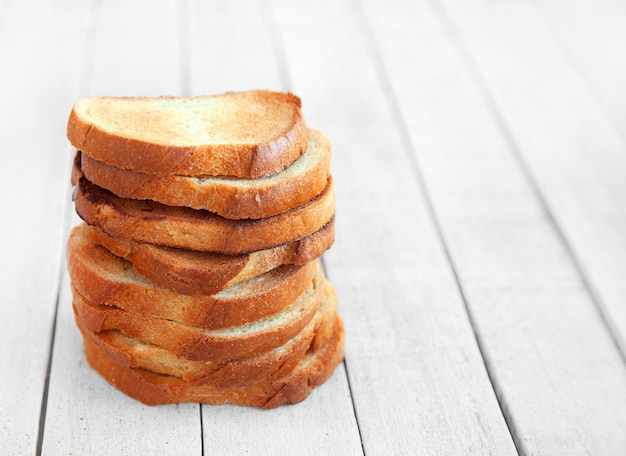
{"x":565,"y":139}
{"x":85,"y":415}
{"x":418,"y":381}
{"x":554,"y":365}
{"x":36,"y":89}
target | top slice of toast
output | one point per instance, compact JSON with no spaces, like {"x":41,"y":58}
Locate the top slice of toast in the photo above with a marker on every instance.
{"x":242,"y":134}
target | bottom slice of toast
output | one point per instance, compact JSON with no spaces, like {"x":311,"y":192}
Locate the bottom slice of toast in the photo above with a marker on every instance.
{"x":153,"y":389}
{"x":129,"y":352}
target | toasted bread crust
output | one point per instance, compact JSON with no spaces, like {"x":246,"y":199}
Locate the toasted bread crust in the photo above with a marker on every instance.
{"x":144,"y":147}
{"x":186,"y":228}
{"x":198,"y":344}
{"x":153,"y":389}
{"x":190,"y":272}
{"x":104,"y":278}
{"x":228,"y":197}
{"x":195,"y":275}
{"x":131,"y":353}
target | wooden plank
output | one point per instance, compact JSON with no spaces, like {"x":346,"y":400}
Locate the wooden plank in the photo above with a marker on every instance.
{"x":324,"y":423}
{"x":416,"y":375}
{"x":571,"y":133}
{"x":574,"y":153}
{"x":129,"y":53}
{"x":36,"y":88}
{"x":560,"y":380}
{"x":592,"y":34}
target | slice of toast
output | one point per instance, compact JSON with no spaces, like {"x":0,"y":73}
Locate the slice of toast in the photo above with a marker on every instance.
{"x":191,"y":272}
{"x":186,"y":228}
{"x":243,"y":134}
{"x":226,"y":196}
{"x":104,"y":278}
{"x":199,"y":344}
{"x":128,"y":352}
{"x":153,"y":389}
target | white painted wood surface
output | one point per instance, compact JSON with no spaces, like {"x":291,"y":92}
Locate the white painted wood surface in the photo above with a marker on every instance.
{"x":525,"y":295}
{"x":37,"y":87}
{"x":575,"y":155}
{"x":481,"y":229}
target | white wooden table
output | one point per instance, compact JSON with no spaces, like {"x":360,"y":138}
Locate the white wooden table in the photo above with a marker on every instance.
{"x":480,"y":255}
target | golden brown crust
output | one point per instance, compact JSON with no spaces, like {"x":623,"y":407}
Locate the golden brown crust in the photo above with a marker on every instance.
{"x":131,"y":353}
{"x":191,"y":272}
{"x":160,"y":156}
{"x":195,"y":276}
{"x":199,"y":344}
{"x":104,"y":278}
{"x":153,"y":389}
{"x":235,"y":373}
{"x":186,"y":228}
{"x":227,"y":197}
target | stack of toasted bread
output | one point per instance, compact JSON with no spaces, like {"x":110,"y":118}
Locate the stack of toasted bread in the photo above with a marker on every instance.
{"x":195,"y":275}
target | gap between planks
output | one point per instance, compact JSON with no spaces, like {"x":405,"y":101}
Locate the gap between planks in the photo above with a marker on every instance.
{"x":46,"y":387}
{"x":65,"y":229}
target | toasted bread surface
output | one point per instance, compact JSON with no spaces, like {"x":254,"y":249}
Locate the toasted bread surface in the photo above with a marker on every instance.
{"x":191,"y":272}
{"x":133,"y":353}
{"x":195,"y":343}
{"x":153,"y":389}
{"x":229,"y":197}
{"x":104,"y":278}
{"x":243,"y":134}
{"x":194,"y":275}
{"x":187,"y":228}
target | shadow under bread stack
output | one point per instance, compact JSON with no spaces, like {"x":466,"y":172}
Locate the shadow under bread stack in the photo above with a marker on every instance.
{"x":195,"y":275}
